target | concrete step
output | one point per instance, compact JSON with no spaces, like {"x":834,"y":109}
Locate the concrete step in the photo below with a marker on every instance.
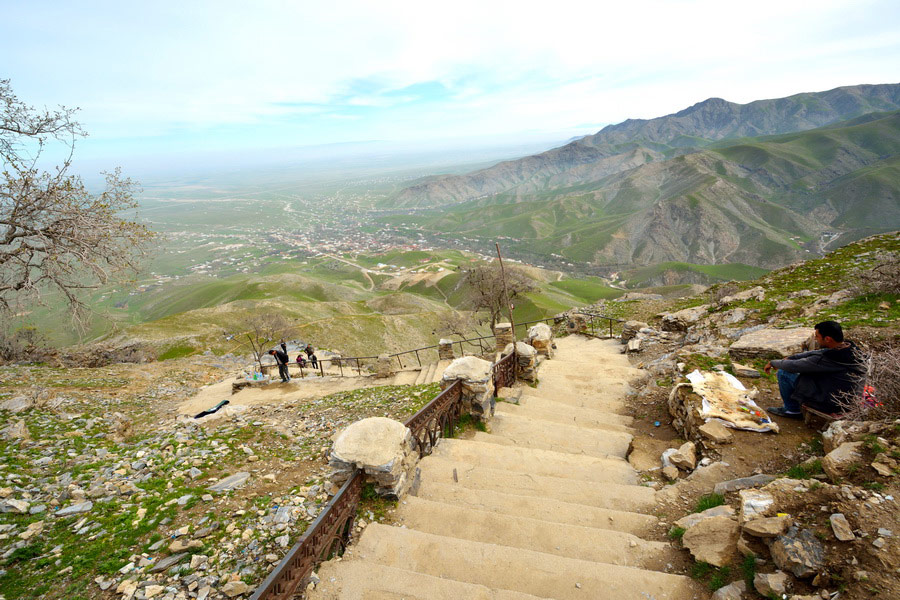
{"x":358,"y":580}
{"x":567,"y":415}
{"x":439,"y":369}
{"x":534,"y":507}
{"x":612,"y":402}
{"x":515,"y":569}
{"x":424,"y":374}
{"x":572,"y":541}
{"x":535,"y":433}
{"x":600,"y":494}
{"x":537,"y":462}
{"x":405,"y":377}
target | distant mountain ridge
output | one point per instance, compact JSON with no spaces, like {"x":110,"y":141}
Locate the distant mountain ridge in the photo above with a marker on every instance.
{"x":630,"y":202}
{"x":648,"y":140}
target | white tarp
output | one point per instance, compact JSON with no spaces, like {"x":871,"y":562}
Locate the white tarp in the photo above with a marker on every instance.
{"x":725,"y":399}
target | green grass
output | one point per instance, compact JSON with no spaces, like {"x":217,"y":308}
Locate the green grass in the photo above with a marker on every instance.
{"x":676,"y":533}
{"x":177,"y":351}
{"x":805,"y":471}
{"x":708,"y":501}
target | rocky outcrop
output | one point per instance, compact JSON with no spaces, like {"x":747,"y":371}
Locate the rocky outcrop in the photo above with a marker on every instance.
{"x":383,"y":448}
{"x":772,"y":343}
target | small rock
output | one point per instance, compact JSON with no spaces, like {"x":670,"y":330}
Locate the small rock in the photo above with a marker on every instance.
{"x":235,"y":588}
{"x":685,"y":457}
{"x":742,"y":483}
{"x":169,"y":561}
{"x":755,"y":503}
{"x":713,"y":540}
{"x":14,"y":506}
{"x":732,"y":591}
{"x":838,"y":462}
{"x":670,"y":472}
{"x":885,"y":532}
{"x":744,"y":371}
{"x":152,"y":590}
{"x":75,"y":509}
{"x":841,"y":528}
{"x":879,"y":543}
{"x":769,"y":584}
{"x":716,"y":432}
{"x":231,"y":482}
{"x":198,"y":560}
{"x":716,"y":511}
{"x":799,"y":552}
{"x":768,"y":527}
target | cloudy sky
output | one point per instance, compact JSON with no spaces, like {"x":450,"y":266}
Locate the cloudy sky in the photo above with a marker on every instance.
{"x":161,"y":76}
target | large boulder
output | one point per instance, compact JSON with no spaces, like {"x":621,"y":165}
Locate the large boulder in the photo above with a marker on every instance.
{"x":843,"y":459}
{"x":799,"y":552}
{"x":477,"y":380}
{"x":17,"y":404}
{"x":755,"y":293}
{"x":772,"y":343}
{"x":540,"y":336}
{"x":631,"y":328}
{"x":681,"y":320}
{"x":381,"y":447}
{"x":713,"y":540}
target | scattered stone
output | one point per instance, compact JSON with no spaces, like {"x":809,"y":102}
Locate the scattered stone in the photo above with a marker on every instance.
{"x":839,"y":462}
{"x":75,"y":509}
{"x":885,"y":532}
{"x":879,"y":543}
{"x":733,"y":591}
{"x":198,"y":560}
{"x":716,"y":511}
{"x":768,"y":527}
{"x":769,"y":584}
{"x":742,"y":483}
{"x":681,"y":320}
{"x":713,"y":540}
{"x":18,"y":431}
{"x":169,"y":561}
{"x":17,"y":404}
{"x":235,"y":588}
{"x":841,"y":528}
{"x":631,"y":328}
{"x":231,"y":482}
{"x":744,"y":371}
{"x":182,"y":545}
{"x":799,"y":552}
{"x":14,"y":506}
{"x":670,"y":472}
{"x":716,"y":432}
{"x":755,"y":503}
{"x":685,"y":457}
{"x":153,"y":590}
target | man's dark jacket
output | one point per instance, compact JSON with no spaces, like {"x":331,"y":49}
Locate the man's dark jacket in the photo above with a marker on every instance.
{"x":280,"y":357}
{"x":825,"y":376}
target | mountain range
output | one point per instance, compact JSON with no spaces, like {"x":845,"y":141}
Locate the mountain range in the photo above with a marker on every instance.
{"x":763,"y":184}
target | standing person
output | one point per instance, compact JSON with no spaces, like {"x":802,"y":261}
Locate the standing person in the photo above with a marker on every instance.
{"x":819,"y":378}
{"x":313,"y":360}
{"x":281,"y":359}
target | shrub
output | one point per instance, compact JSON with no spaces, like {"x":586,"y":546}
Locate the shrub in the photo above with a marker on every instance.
{"x":881,"y":384}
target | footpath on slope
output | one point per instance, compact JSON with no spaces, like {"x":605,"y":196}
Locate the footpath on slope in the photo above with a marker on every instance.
{"x":543,"y":506}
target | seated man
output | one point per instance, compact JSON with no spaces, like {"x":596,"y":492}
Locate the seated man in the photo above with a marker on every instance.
{"x":819,"y":378}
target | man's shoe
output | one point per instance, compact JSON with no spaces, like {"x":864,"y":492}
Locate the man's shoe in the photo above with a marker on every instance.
{"x":779,"y":411}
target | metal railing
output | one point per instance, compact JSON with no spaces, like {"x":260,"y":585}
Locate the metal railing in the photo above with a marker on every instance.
{"x":598,"y":316}
{"x":329,"y":534}
{"x":326,"y":537}
{"x":436,"y":419}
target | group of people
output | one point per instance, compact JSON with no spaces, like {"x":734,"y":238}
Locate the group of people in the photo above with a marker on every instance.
{"x":282,"y":359}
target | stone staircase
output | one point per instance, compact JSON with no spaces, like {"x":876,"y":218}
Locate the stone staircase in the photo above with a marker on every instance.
{"x":543,"y":506}
{"x":432,"y":372}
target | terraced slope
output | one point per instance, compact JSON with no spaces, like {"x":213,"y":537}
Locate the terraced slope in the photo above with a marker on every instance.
{"x":544,"y":506}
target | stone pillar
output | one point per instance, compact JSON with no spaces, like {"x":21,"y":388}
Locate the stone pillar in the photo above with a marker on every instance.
{"x":576,"y":324}
{"x":477,"y":385}
{"x":384,"y":366}
{"x":540,"y":337}
{"x":503,"y":334}
{"x":526,"y":359}
{"x":445,"y":350}
{"x":383,"y":448}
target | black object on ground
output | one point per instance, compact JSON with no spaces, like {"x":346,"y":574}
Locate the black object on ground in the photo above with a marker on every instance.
{"x":212,"y":410}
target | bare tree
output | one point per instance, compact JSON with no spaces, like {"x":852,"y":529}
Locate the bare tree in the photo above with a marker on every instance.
{"x":54,"y":233}
{"x":483,"y":285}
{"x":878,"y":396}
{"x":264,"y":329}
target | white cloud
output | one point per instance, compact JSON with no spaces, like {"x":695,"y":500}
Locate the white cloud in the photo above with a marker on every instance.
{"x":167,"y":66}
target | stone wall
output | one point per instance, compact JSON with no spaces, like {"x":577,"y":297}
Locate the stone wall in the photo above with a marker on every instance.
{"x":477,"y":379}
{"x":383,"y":448}
{"x":540,"y":336}
{"x":445,"y":349}
{"x":503,"y":334}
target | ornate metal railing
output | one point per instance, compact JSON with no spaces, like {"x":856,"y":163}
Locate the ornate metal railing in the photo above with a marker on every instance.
{"x":505,"y":371}
{"x":326,"y":537}
{"x":436,"y":419}
{"x":329,"y":534}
